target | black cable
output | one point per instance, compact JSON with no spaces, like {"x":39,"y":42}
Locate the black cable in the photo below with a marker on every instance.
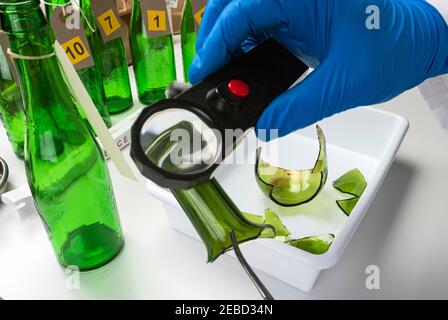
{"x":265,"y":294}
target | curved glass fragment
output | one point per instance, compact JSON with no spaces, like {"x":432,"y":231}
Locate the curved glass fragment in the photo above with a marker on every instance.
{"x":352,"y":183}
{"x":319,"y":244}
{"x":290,"y":188}
{"x":316,"y":244}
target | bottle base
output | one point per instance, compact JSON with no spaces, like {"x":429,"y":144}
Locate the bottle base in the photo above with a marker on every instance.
{"x":91,"y":247}
{"x":118,"y":104}
{"x":153,"y":95}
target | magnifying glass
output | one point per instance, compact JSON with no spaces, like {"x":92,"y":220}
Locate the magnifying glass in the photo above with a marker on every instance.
{"x":219,"y":109}
{"x":178,"y":143}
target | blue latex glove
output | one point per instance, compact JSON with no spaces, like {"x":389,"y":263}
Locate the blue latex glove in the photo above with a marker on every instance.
{"x":355,"y":65}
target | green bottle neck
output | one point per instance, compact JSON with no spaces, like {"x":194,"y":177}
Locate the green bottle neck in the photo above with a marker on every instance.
{"x":187,"y":18}
{"x":49,"y":8}
{"x":60,"y":1}
{"x":86,"y":9}
{"x":26,"y":27}
{"x":47,"y":99}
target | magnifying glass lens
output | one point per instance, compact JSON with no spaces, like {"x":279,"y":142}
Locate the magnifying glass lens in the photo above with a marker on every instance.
{"x":179,"y":142}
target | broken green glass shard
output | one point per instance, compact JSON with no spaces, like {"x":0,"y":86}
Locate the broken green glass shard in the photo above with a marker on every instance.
{"x":270,"y":218}
{"x":274,"y":220}
{"x":352,"y":183}
{"x":254,"y":218}
{"x":347,"y":205}
{"x":290,"y":188}
{"x":316,"y":245}
{"x":213,"y":215}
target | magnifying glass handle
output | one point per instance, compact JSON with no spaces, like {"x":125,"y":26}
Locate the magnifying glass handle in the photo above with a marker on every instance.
{"x":265,"y":294}
{"x":237,"y":95}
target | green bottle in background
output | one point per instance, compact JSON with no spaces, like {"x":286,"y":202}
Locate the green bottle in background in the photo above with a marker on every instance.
{"x":114,"y":67}
{"x":11,"y":106}
{"x":188,"y":38}
{"x":153,"y":57}
{"x":65,"y":167}
{"x":91,"y":76}
{"x":51,"y":5}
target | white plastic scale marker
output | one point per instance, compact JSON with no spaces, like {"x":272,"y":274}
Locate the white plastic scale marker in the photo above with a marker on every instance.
{"x":80,"y":93}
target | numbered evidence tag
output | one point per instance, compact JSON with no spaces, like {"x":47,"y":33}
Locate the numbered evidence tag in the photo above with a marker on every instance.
{"x":156,"y":15}
{"x":198,"y":10}
{"x":110,"y":24}
{"x":68,"y":30}
{"x":4,"y":43}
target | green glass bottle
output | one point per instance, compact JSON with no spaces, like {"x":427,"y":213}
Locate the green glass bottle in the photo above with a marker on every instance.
{"x":91,"y":77}
{"x":188,"y":38}
{"x":11,"y":107}
{"x":153,"y":58}
{"x":65,"y":167}
{"x":114,"y":66}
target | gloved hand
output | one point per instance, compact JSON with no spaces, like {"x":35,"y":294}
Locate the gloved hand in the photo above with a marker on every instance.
{"x":356,"y":64}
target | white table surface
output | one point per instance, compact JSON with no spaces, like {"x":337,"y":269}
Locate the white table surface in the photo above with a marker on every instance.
{"x":404,"y":234}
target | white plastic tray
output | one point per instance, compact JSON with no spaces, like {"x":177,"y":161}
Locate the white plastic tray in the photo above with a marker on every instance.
{"x":366,"y":138}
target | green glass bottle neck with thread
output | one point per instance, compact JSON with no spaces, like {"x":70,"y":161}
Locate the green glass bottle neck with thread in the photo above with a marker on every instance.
{"x":87,"y":12}
{"x":51,"y":5}
{"x":26,"y":27}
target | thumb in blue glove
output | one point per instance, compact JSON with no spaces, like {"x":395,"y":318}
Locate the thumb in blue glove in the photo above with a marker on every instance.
{"x":356,"y":62}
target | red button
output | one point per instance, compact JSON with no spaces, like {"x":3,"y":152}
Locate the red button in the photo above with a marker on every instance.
{"x":238,"y":88}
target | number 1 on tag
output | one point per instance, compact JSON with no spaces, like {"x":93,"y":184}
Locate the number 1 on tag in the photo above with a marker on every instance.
{"x":156,"y":20}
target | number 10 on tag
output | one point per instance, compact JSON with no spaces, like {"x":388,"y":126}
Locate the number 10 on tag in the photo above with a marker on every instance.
{"x":75,"y":50}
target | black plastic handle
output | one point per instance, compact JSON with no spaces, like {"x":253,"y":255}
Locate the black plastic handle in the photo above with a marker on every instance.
{"x":268,"y":70}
